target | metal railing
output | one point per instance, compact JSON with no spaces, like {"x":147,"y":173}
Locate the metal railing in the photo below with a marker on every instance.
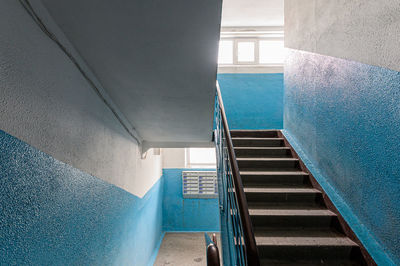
{"x":237,"y":237}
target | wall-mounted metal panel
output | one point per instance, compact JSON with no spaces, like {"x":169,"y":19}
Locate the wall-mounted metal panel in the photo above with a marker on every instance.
{"x":199,"y":184}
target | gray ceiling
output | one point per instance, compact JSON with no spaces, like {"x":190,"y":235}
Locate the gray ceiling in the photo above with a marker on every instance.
{"x":157,"y":59}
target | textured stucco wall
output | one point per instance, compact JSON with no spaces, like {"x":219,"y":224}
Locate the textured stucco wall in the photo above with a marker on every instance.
{"x":342,"y":113}
{"x":54,"y":214}
{"x":47,"y":103}
{"x":366,"y":31}
{"x":174,"y":158}
{"x":345,"y":116}
{"x":253,"y":101}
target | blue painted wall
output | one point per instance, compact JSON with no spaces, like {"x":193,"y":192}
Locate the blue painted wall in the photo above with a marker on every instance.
{"x":54,"y":214}
{"x":187,"y":214}
{"x":253,"y":101}
{"x":344,"y":119}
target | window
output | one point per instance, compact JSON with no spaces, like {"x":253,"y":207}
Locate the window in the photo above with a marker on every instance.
{"x":246,"y":52}
{"x":200,"y":158}
{"x":225,"y":55}
{"x":271,"y":52}
{"x":251,"y":51}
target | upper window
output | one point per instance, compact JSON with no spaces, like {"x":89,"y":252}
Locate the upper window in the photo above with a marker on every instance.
{"x":257,"y":51}
{"x":225,"y":55}
{"x":246,"y":52}
{"x":271,"y":52}
{"x":200,"y":158}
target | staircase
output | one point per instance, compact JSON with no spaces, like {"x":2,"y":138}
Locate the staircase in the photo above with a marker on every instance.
{"x":291,"y":222}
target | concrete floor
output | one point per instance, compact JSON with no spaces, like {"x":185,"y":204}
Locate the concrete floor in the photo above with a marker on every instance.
{"x":178,"y":249}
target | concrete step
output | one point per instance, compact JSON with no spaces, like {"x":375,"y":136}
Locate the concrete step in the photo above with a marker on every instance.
{"x":258,"y":142}
{"x":289,"y":218}
{"x":266,"y":152}
{"x":254,"y":133}
{"x":265,"y":164}
{"x":309,"y":241}
{"x":295,"y":196}
{"x":306,"y":248}
{"x":291,"y":223}
{"x":310,"y":262}
{"x":276,"y":179}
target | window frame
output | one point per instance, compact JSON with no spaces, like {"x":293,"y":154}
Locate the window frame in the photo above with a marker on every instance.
{"x":233,"y":50}
{"x":236,"y":51}
{"x":256,"y":41}
{"x":270,"y":40}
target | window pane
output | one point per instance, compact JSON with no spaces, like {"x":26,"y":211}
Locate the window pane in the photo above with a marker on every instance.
{"x":246,"y":51}
{"x":272,"y":52}
{"x":225,"y":54}
{"x":202,"y":156}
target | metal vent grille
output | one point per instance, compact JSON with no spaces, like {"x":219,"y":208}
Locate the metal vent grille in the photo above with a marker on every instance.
{"x":199,"y":184}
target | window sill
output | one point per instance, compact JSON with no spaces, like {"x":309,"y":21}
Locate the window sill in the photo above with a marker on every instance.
{"x":278,"y":68}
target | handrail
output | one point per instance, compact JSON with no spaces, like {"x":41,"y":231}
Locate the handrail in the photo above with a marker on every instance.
{"x":212,"y":252}
{"x":248,"y":234}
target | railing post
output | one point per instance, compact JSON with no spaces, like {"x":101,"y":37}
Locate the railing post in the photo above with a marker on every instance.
{"x":212,"y":252}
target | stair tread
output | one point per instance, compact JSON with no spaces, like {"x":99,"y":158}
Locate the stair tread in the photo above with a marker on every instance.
{"x":280,"y":190}
{"x":275,"y":185}
{"x":253,"y":138}
{"x":305,"y":241}
{"x":291,"y":212}
{"x":273,"y":173}
{"x":262,"y":148}
{"x":279,"y":206}
{"x":266,"y":159}
{"x":255,"y":130}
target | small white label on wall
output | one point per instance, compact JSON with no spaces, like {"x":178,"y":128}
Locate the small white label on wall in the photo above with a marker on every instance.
{"x":199,"y":184}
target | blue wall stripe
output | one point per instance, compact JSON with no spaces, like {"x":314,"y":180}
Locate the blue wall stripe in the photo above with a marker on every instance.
{"x":187,"y":215}
{"x":253,"y":101}
{"x":345,"y":118}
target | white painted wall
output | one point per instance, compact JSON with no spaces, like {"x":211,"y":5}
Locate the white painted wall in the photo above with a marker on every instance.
{"x":47,"y":103}
{"x":361,"y":30}
{"x":174,"y":158}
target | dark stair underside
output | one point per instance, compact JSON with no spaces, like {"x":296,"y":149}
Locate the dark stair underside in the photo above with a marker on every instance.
{"x":291,"y":223}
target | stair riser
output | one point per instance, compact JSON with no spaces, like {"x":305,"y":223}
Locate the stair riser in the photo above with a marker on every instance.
{"x":258,"y":143}
{"x":280,"y":198}
{"x":266,"y":153}
{"x":311,"y":262}
{"x":250,"y":165}
{"x":293,"y":221}
{"x":306,"y":252}
{"x":254,"y":134}
{"x":249,"y":180}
